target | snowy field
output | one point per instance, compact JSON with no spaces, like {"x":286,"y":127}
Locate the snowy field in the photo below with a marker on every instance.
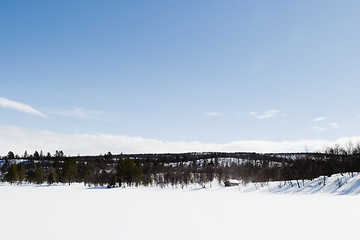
{"x":78,"y":212}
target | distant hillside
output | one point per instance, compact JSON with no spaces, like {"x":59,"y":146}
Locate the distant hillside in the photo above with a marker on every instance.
{"x":177,"y":169}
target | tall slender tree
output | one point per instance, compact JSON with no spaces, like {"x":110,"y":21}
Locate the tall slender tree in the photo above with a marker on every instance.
{"x":12,"y":176}
{"x":22,"y":172}
{"x":39,"y":175}
{"x":69,"y":171}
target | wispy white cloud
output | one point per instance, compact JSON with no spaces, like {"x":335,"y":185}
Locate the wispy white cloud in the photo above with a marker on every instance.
{"x":253,"y":113}
{"x":267,"y":114}
{"x":18,"y":106}
{"x":215,"y":114}
{"x":18,"y":140}
{"x":336,"y":125}
{"x":79,"y":112}
{"x":319,"y":129}
{"x":319,"y":119}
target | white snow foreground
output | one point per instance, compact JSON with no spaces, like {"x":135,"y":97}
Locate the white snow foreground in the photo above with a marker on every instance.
{"x":241,"y":212}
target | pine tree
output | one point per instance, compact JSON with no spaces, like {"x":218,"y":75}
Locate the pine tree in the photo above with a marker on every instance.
{"x":22,"y":172}
{"x":120,"y":171}
{"x":11,"y":155}
{"x":12,"y":176}
{"x":51,"y":178}
{"x":128,"y":171}
{"x":85,"y":174}
{"x":69,"y":171}
{"x":139,"y":178}
{"x":129,"y":174}
{"x":36,"y":155}
{"x":39,"y":175}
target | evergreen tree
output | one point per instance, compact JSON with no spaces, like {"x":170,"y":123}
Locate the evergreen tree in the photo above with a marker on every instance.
{"x":36,"y":155}
{"x":39,"y":175}
{"x":51,"y":178}
{"x":139,"y":178}
{"x":12,"y":176}
{"x":128,"y":171}
{"x":129,"y":167}
{"x":32,"y":164}
{"x":84,"y":174}
{"x":22,"y":172}
{"x":59,"y":154}
{"x":120,"y":171}
{"x":30,"y":175}
{"x":11,"y":155}
{"x":108,"y":156}
{"x":69,"y":171}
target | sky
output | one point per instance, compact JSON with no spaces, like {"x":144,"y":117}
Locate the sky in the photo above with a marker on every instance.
{"x":91,"y":76}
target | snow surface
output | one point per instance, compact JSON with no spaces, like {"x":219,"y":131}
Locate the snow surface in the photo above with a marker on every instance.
{"x":241,"y":212}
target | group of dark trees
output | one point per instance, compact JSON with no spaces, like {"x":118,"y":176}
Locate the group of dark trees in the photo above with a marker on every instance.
{"x":176,"y":169}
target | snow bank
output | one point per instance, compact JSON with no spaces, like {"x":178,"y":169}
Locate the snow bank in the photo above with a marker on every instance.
{"x":337,"y":184}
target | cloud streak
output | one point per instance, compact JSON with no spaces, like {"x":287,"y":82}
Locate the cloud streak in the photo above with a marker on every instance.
{"x":18,"y":140}
{"x":18,"y":106}
{"x":265,"y":115}
{"x":319,"y":119}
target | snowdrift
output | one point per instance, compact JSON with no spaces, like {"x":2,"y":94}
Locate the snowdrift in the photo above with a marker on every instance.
{"x":337,"y":184}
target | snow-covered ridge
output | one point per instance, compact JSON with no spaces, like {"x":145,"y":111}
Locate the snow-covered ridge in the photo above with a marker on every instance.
{"x":337,"y":184}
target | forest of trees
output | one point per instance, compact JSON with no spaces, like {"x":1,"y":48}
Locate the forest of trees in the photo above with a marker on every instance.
{"x":177,"y":170}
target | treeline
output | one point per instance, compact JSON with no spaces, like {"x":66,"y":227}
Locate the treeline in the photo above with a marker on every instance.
{"x":177,"y":170}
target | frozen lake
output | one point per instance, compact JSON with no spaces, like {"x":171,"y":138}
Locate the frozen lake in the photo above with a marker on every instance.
{"x":76,"y":212}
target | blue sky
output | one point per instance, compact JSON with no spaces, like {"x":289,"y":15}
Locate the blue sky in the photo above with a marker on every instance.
{"x":210,"y":72}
